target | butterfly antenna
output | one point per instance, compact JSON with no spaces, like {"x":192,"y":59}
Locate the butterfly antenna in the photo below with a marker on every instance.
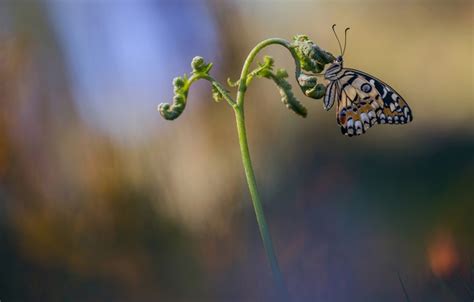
{"x":338,"y":41}
{"x":345,"y":40}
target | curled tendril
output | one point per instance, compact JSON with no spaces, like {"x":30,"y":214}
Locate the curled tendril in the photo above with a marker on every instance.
{"x":279,"y":76}
{"x":311,"y":88}
{"x":233,"y":83}
{"x":181,"y":87}
{"x":312,"y":59}
{"x":199,"y":66}
{"x":173,"y":111}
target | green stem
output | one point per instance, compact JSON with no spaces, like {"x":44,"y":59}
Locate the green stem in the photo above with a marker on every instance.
{"x":257,"y":204}
{"x":251,"y":57}
{"x":247,"y":162}
{"x":201,"y":71}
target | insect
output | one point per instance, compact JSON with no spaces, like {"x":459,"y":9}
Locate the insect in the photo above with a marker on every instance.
{"x":362,"y":99}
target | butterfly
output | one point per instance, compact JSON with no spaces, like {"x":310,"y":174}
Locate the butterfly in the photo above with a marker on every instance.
{"x":362,"y":99}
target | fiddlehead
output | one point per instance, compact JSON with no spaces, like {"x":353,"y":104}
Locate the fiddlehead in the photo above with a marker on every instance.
{"x":279,"y":77}
{"x":312,"y":59}
{"x":181,"y":86}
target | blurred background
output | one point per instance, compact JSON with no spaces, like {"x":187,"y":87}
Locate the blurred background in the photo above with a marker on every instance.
{"x":102,"y":199}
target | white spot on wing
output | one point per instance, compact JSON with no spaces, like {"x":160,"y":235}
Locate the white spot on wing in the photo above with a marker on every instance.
{"x":358,"y":126}
{"x":364,"y":118}
{"x":406,"y":111}
{"x":350,"y":123}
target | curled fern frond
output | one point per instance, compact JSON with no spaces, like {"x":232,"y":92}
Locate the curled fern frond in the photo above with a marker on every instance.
{"x":312,"y":58}
{"x":265,"y":70}
{"x":181,"y":87}
{"x":173,"y":111}
{"x":200,"y":66}
{"x":233,"y":83}
{"x":309,"y":85}
{"x":287,"y":96}
{"x":268,"y":62}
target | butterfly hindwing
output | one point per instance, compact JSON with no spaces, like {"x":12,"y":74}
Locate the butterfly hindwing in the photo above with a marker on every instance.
{"x":364,"y":101}
{"x":395,"y":109}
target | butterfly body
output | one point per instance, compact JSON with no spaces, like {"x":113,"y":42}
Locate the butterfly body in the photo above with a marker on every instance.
{"x":362,"y":100}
